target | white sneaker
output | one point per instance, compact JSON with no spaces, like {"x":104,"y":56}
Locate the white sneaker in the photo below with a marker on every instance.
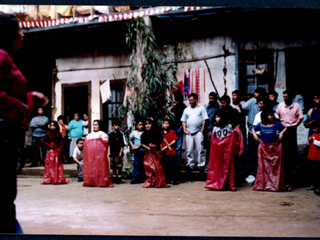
{"x":250,"y":179}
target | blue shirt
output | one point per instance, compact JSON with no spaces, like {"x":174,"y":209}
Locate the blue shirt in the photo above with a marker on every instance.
{"x":135,"y":138}
{"x":252,"y":108}
{"x":211,"y":110}
{"x":39,"y":126}
{"x":75,"y":129}
{"x":194,"y":118}
{"x":269,"y":134}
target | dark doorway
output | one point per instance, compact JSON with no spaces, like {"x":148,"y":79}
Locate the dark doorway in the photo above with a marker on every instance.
{"x":302,"y":66}
{"x":75,"y":100}
{"x":111,"y":107}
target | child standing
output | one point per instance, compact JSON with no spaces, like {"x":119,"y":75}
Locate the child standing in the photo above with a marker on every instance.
{"x":138,"y":153}
{"x":53,"y":173}
{"x":270,"y":172}
{"x":78,"y":158}
{"x":314,"y":157}
{"x":151,"y":139}
{"x":116,"y":143}
{"x":169,"y":157}
{"x":222,"y":153}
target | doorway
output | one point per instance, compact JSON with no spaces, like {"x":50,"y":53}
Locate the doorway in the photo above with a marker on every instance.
{"x":76,"y":99}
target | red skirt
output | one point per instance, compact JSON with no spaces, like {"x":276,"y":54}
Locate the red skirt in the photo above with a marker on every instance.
{"x":154,"y":171}
{"x":221,"y":163}
{"x":270,"y":173}
{"x":53,"y":173}
{"x":95,"y":169}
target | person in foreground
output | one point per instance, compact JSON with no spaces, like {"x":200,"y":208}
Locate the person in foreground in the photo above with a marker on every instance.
{"x":151,"y":139}
{"x":15,"y":106}
{"x":270,"y":172}
{"x":95,"y":168}
{"x":53,"y":173}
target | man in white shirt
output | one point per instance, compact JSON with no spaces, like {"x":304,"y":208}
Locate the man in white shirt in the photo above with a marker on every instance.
{"x":193,"y":121}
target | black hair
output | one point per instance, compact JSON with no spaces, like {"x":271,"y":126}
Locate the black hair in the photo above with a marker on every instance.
{"x":138,"y":121}
{"x":274,"y":93}
{"x":79,"y":140}
{"x":148,"y":119}
{"x":166,"y":120}
{"x":225,"y":98}
{"x":57,"y":128}
{"x":223,"y":119}
{"x":264,"y":115}
{"x":99,"y":122}
{"x":265,"y":101}
{"x":213,"y":94}
{"x":236,"y":92}
{"x":178,"y":97}
{"x":61,"y":117}
{"x":195,"y":96}
{"x":116,"y":122}
{"x":9,"y":26}
{"x":261,"y":91}
{"x":290,"y":93}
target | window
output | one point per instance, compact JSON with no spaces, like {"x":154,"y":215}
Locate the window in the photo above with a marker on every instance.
{"x":255,"y":70}
{"x":111,"y":107}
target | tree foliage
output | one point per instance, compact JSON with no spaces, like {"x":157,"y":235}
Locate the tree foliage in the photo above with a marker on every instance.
{"x":151,"y":81}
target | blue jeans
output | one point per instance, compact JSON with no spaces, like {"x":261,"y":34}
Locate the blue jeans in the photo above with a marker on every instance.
{"x":138,"y":168}
{"x":179,"y":134}
{"x":36,"y":143}
{"x":79,"y":168}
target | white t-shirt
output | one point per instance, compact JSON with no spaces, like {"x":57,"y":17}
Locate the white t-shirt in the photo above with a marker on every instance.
{"x":257,"y":118}
{"x":194,"y":118}
{"x":77,"y":154}
{"x":99,"y":134}
{"x":222,"y":132}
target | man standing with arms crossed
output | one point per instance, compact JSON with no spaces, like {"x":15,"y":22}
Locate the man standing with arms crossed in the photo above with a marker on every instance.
{"x":193,"y":121}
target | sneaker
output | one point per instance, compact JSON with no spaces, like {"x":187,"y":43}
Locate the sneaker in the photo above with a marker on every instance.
{"x":310,"y":188}
{"x":80,"y":179}
{"x":250,"y":179}
{"x":317,"y":191}
{"x":119,"y":180}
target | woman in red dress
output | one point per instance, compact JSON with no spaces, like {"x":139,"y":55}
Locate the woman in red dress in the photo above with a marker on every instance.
{"x":53,"y":173}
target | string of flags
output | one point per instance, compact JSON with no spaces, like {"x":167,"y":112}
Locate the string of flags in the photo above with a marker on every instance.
{"x":117,"y":16}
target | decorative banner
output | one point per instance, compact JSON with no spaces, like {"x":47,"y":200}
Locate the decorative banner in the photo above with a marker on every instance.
{"x":117,"y":16}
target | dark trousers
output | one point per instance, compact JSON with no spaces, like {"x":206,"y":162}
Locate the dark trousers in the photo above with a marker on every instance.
{"x":9,"y":134}
{"x":138,"y":167}
{"x":289,"y":152}
{"x":252,"y":155}
{"x":36,"y":144}
{"x":170,"y":167}
{"x":314,"y":176}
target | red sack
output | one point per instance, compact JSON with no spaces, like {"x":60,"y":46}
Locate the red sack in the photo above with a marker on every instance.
{"x":270,"y":173}
{"x":314,"y":151}
{"x":154,"y":171}
{"x":53,"y":172}
{"x":221,"y":163}
{"x":95,"y":169}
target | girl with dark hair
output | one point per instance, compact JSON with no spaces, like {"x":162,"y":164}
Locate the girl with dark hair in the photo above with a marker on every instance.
{"x":53,"y":173}
{"x":269,"y":133}
{"x":151,"y":139}
{"x":15,"y":106}
{"x":95,"y":170}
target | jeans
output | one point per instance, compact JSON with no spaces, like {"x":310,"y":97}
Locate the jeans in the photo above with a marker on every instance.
{"x":252,"y":157}
{"x":138,"y":168}
{"x":195,"y":142}
{"x":36,"y":143}
{"x":179,"y":134}
{"x":79,"y":168}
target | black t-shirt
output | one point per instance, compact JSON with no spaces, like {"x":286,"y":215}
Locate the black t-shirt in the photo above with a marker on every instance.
{"x":116,"y":142}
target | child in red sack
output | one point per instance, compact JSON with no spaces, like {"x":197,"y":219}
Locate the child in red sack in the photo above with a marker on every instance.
{"x":314,"y":156}
{"x":222,"y":153}
{"x":169,"y":158}
{"x":151,"y":140}
{"x":53,"y":173}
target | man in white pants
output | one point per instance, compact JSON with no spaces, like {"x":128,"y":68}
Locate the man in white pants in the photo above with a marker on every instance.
{"x":193,"y":121}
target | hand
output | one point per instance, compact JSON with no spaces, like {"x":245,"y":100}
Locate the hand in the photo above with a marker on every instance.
{"x":80,"y":163}
{"x":170,"y":149}
{"x":209,"y":134}
{"x":40,"y":96}
{"x":280,"y":136}
{"x":186,"y":133}
{"x":120,"y":154}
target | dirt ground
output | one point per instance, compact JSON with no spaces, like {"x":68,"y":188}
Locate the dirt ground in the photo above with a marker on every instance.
{"x":187,"y":209}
